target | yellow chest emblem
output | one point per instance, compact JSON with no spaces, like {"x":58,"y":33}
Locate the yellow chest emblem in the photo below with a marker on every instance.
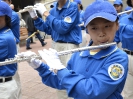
{"x":68,"y":19}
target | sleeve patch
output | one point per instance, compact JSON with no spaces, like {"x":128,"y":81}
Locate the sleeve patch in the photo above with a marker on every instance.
{"x":116,"y":71}
{"x":68,"y":19}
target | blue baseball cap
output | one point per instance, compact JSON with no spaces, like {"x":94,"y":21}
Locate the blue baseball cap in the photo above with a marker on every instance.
{"x":128,"y":8}
{"x":118,"y":2}
{"x":5,"y":9}
{"x":100,"y":9}
{"x":77,"y":1}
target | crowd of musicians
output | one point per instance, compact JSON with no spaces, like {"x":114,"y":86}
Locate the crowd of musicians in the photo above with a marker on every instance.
{"x":102,"y":73}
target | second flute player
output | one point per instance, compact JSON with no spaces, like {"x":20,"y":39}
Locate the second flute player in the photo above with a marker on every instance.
{"x":62,"y":24}
{"x":95,"y":74}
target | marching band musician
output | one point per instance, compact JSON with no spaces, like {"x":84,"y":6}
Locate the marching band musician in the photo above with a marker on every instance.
{"x":62,"y":24}
{"x":81,"y":11}
{"x":94,"y":74}
{"x":16,"y":31}
{"x":8,"y":86}
{"x":125,"y":36}
{"x":118,"y":4}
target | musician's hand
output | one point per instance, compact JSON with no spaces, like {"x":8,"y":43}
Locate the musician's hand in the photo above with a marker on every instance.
{"x":35,"y":63}
{"x":51,"y":58}
{"x":40,"y":8}
{"x":31,"y":11}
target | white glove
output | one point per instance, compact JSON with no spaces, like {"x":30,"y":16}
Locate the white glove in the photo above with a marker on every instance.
{"x":52,"y":59}
{"x":40,"y":8}
{"x":35,"y":63}
{"x":31,"y":11}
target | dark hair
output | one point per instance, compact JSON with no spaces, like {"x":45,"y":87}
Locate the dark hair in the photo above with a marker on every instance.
{"x":121,"y":5}
{"x":129,"y":3}
{"x":51,"y":6}
{"x":10,"y":1}
{"x":81,"y":7}
{"x":8,"y":21}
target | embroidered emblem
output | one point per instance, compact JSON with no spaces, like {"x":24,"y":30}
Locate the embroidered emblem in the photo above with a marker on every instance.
{"x":68,"y":19}
{"x":115,"y":71}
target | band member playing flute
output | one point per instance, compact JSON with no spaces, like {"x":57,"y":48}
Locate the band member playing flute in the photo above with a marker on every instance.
{"x":94,"y":74}
{"x":118,"y":4}
{"x":8,"y":85}
{"x":62,"y":24}
{"x":16,"y":32}
{"x":125,"y":36}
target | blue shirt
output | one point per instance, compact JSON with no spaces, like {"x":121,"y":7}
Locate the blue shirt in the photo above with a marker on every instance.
{"x":125,"y":32}
{"x":122,"y":15}
{"x":90,"y":76}
{"x":62,"y":24}
{"x":15,"y":26}
{"x":81,"y":19}
{"x":7,"y":50}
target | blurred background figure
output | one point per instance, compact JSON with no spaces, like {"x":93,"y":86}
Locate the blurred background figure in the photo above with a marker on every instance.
{"x":22,"y":22}
{"x":118,"y":4}
{"x":81,"y":23}
{"x":31,"y":29}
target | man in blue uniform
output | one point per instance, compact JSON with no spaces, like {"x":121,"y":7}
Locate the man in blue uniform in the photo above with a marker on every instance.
{"x":81,"y":24}
{"x":125,"y":36}
{"x":8,"y":86}
{"x":119,"y":6}
{"x":90,"y":74}
{"x":15,"y":29}
{"x":62,"y":24}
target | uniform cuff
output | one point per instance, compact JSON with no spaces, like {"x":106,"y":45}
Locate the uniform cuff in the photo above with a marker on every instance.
{"x":62,"y":73}
{"x":50,"y":19}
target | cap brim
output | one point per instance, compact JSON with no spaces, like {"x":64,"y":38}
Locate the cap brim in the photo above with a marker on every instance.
{"x":117,"y":4}
{"x":1,"y":14}
{"x":104,"y":15}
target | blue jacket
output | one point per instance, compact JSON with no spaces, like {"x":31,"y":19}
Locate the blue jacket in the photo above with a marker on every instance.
{"x":7,"y":50}
{"x":62,"y":24}
{"x":99,"y":76}
{"x":122,"y":15}
{"x":15,"y":26}
{"x":125,"y":32}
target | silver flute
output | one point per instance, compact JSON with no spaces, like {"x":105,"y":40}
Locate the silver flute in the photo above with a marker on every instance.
{"x":24,"y":10}
{"x":22,"y":59}
{"x":125,"y":12}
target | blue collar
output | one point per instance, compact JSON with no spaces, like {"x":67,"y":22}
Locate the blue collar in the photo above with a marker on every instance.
{"x":3,"y":29}
{"x":67,"y":4}
{"x":130,"y":16}
{"x":101,"y":54}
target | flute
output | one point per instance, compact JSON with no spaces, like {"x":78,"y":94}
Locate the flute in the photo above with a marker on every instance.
{"x":24,"y":10}
{"x":125,"y":12}
{"x":21,"y":59}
